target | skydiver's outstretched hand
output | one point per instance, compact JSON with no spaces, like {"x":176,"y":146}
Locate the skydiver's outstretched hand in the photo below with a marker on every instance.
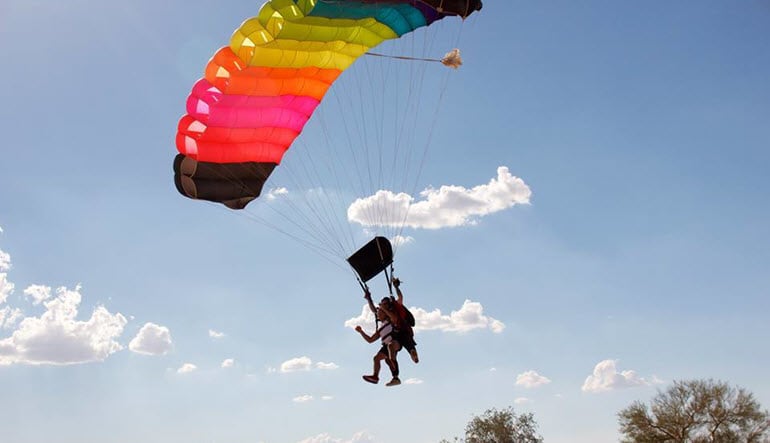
{"x":396,"y":282}
{"x":359,"y":328}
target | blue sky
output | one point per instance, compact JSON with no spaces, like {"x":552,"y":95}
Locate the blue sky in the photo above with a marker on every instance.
{"x":641,"y":257}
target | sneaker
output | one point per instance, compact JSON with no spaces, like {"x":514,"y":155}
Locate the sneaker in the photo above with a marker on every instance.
{"x":394,"y":382}
{"x":413,"y":354}
{"x":371,"y":379}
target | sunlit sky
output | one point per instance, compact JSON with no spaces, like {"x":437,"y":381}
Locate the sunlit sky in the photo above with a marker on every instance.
{"x":591,"y":224}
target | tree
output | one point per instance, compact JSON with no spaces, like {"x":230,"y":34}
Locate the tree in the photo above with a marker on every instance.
{"x":697,"y":411}
{"x":503,"y":426}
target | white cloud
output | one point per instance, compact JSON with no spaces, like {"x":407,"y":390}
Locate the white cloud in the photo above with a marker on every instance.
{"x":302,"y":398}
{"x":326,"y":366}
{"x":521,"y":400}
{"x":38,"y":293}
{"x":58,"y":338}
{"x":5,"y":261}
{"x":228,"y":363}
{"x":400,"y":240}
{"x":470,"y":316}
{"x":326,"y":397}
{"x":152,"y":339}
{"x":297,"y":364}
{"x":6,"y":287}
{"x":186,"y":368}
{"x":366,"y":319}
{"x":303,"y":364}
{"x":216,"y":334}
{"x":274,"y":193}
{"x":448,"y":206}
{"x":606,"y":378}
{"x":413,"y":381}
{"x":359,"y":437}
{"x":531,"y":379}
{"x":9,"y":317}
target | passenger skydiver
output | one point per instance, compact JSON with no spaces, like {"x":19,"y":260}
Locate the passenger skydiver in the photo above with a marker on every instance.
{"x":399,"y":316}
{"x":387,"y":352}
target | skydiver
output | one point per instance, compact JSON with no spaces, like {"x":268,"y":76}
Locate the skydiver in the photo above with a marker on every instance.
{"x":387,"y":352}
{"x":399,"y":316}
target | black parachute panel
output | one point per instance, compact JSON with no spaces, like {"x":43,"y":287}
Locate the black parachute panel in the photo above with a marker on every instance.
{"x":232,"y":184}
{"x":373,"y":258}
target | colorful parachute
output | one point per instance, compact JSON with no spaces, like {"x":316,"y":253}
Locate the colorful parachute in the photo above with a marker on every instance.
{"x":258,"y":93}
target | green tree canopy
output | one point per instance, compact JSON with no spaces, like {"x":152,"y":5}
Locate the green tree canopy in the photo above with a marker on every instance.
{"x":501,"y":426}
{"x":697,"y":411}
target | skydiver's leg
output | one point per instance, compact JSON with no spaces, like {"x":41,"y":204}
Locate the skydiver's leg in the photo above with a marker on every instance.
{"x":392,"y":361}
{"x":379,"y":356}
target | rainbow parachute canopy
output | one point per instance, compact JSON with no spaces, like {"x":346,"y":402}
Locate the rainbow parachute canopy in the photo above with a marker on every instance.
{"x":258,"y":92}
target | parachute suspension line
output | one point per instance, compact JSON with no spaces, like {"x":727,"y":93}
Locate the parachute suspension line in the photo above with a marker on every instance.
{"x":385,"y":270}
{"x":443,"y":88}
{"x":322,"y":247}
{"x":386,"y":182}
{"x":452,"y":59}
{"x":359,"y":156}
{"x":320,"y":251}
{"x":317,"y":231}
{"x":377,"y":124}
{"x":327,"y":246}
{"x":320,"y":204}
{"x":417,"y":80}
{"x":331,"y":161}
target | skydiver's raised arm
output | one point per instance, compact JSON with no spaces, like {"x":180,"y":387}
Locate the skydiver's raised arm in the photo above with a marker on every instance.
{"x":397,"y":284}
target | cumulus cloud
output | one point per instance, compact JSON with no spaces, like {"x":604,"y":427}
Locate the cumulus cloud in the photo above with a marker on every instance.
{"x":326,"y":397}
{"x":400,"y":240}
{"x":274,"y":193}
{"x":326,"y":366}
{"x":58,"y":338}
{"x":413,"y":381}
{"x":5,"y":261}
{"x":302,"y":398}
{"x":304,"y":363}
{"x":531,"y":379}
{"x":297,"y":364}
{"x":152,"y":339}
{"x":521,"y":401}
{"x":607,"y":378}
{"x":9,"y":317}
{"x":215,"y":334}
{"x":228,"y":363}
{"x":186,"y":368}
{"x":359,"y":437}
{"x":38,"y":293}
{"x":6,"y":287}
{"x":469,"y":317}
{"x":448,"y":206}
